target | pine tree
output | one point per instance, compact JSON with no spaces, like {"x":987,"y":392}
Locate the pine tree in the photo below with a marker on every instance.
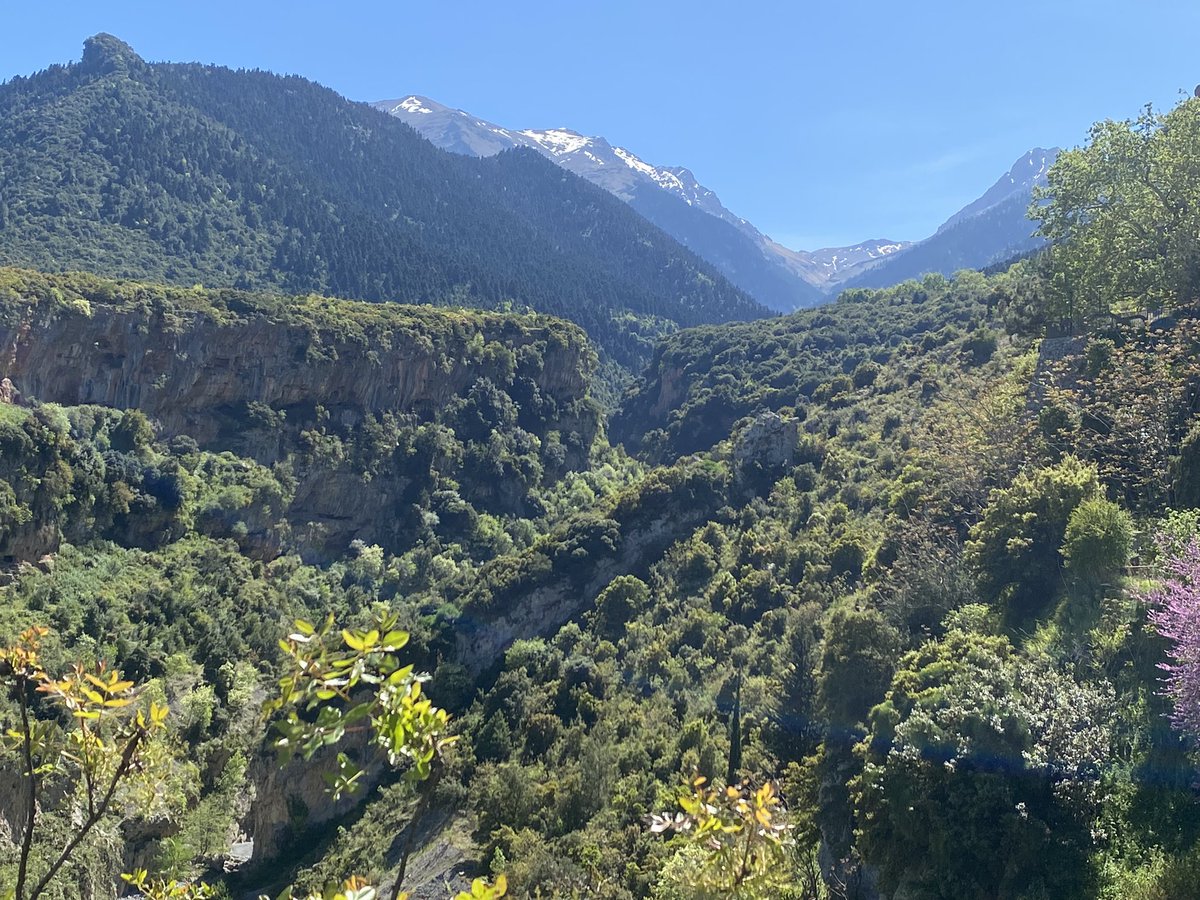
{"x":735,"y":734}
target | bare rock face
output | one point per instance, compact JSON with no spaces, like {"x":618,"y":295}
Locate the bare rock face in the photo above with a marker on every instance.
{"x":259,"y":376}
{"x":769,"y":443}
{"x":14,"y":806}
{"x":1051,"y":352}
{"x":288,"y":801}
{"x":544,"y":609}
{"x":671,"y":391}
{"x":197,"y":376}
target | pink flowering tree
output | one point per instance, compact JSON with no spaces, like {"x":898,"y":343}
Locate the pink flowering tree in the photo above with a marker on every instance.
{"x":1175,"y":614}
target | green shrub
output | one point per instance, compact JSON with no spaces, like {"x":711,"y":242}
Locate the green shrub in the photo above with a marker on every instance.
{"x":1098,"y":538}
{"x":1015,"y":548}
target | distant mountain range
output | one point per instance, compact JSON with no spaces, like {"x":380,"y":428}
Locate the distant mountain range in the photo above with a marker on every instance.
{"x":191,"y":174}
{"x":669,"y":196}
{"x":194,"y":174}
{"x":989,"y":229}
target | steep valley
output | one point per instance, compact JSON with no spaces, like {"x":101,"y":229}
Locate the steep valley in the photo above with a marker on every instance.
{"x":577,"y":575}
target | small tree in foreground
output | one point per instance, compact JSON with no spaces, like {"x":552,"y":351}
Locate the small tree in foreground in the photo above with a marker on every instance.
{"x":1123,"y":215}
{"x":340,"y":682}
{"x":105,"y":758}
{"x":741,"y":834}
{"x":110,"y":760}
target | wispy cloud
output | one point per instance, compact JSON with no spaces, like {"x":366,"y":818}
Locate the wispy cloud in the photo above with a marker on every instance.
{"x":947,"y":160}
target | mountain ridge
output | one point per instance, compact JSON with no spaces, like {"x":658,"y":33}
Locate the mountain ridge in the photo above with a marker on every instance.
{"x":191,"y":174}
{"x":990,"y":229}
{"x":987,"y":230}
{"x":777,"y":276}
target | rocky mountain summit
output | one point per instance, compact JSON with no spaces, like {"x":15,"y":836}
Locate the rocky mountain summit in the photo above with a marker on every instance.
{"x":990,"y":229}
{"x":671,"y":197}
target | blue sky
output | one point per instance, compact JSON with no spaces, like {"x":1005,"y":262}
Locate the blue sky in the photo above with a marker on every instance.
{"x":822,"y":123}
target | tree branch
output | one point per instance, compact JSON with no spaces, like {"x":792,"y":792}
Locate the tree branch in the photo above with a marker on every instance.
{"x":409,"y":839}
{"x":30,"y":818}
{"x":96,"y":815}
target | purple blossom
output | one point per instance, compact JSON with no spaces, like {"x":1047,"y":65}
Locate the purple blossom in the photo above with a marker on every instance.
{"x":1175,"y":614}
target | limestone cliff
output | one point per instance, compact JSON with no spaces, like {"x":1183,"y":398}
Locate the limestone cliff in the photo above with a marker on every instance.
{"x":195,"y":361}
{"x":335,"y":391}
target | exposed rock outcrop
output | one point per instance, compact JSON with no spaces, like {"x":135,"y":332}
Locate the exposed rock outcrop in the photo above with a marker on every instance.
{"x":768,"y":444}
{"x":334,"y":390}
{"x":197,"y":375}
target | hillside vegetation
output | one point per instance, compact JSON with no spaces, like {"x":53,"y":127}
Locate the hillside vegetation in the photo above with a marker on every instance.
{"x":897,"y":578}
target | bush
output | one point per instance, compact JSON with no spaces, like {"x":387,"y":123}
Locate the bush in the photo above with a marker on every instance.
{"x":1015,"y":548}
{"x":981,"y":346}
{"x":1098,"y":538}
{"x":865,"y":374}
{"x":624,"y":598}
{"x":846,"y":558}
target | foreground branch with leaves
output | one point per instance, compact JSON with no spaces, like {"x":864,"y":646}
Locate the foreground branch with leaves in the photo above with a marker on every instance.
{"x":742,"y":833}
{"x":344,"y":682}
{"x":104,"y":758}
{"x":109,"y":760}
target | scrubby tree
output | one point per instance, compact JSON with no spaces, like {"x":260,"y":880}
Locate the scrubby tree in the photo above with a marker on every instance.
{"x":857,"y":662}
{"x":981,"y":772}
{"x":624,"y":597}
{"x":1015,"y":548}
{"x":105,"y":763}
{"x":1185,"y":469}
{"x":1123,"y":212}
{"x":1097,"y":542}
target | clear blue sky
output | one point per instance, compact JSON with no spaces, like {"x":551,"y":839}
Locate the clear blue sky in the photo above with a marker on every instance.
{"x":822,"y":123}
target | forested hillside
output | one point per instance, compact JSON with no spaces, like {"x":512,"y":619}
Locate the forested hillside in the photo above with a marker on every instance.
{"x":890,"y":599}
{"x":196,"y":174}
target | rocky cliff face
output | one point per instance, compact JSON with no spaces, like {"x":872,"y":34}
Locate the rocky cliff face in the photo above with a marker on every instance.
{"x":545,"y":608}
{"x":364,"y":406}
{"x":288,"y":801}
{"x":198,"y":376}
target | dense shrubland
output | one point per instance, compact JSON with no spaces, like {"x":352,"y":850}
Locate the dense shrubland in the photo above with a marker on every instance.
{"x":892,"y":579}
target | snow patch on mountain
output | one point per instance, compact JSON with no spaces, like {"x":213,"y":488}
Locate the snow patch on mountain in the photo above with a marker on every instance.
{"x":634,"y":163}
{"x":838,"y":259}
{"x":559,"y":140}
{"x":413,"y":105}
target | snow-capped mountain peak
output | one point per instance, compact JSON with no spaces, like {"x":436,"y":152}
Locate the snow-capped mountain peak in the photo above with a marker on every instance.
{"x":780,"y":277}
{"x":414,"y":105}
{"x":619,"y":169}
{"x":616,"y":169}
{"x":1025,"y":174}
{"x":558,"y":140}
{"x":838,"y":260}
